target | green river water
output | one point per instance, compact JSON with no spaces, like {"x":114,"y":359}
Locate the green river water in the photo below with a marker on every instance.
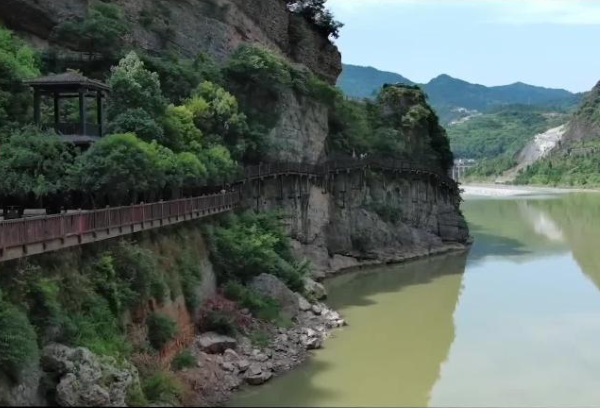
{"x":516,"y":322}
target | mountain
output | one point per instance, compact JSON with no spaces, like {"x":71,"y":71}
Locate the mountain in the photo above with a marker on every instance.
{"x":455,"y":98}
{"x":365,"y":82}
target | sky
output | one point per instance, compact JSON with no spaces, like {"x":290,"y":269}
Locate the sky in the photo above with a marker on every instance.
{"x":551,"y":43}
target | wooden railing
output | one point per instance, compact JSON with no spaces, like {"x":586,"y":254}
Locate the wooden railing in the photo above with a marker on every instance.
{"x":34,"y":230}
{"x":109,"y":222}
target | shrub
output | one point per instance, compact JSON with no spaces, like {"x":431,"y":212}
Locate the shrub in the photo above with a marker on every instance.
{"x":18,"y":344}
{"x":118,"y":166}
{"x":246,"y":245}
{"x":102,"y":31}
{"x":161,"y":330}
{"x":163,"y":387}
{"x":190,"y":274}
{"x":220,"y":322}
{"x":33,"y":161}
{"x":17,"y":63}
{"x":183,"y":360}
{"x":262,"y":307}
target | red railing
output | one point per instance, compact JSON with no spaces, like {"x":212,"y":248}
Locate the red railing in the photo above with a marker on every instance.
{"x":27,"y":231}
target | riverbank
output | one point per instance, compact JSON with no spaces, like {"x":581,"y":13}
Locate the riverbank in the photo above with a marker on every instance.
{"x":219,"y":376}
{"x":506,"y":190}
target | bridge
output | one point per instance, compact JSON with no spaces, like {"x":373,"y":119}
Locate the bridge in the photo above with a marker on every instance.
{"x":35,"y":235}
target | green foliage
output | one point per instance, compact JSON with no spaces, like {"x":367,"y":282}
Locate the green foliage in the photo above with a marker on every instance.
{"x":504,"y":132}
{"x":180,"y":131}
{"x":216,"y":112}
{"x":163,"y":387}
{"x":398,"y":124}
{"x":261,"y":307}
{"x":316,"y":13}
{"x":118,"y":166}
{"x":135,"y":88}
{"x":17,"y":63}
{"x":246,"y":245}
{"x":219,"y":164}
{"x":32,"y":161}
{"x":563,"y":170}
{"x":190,"y":274}
{"x":102,"y":32}
{"x":161,"y":330}
{"x":220,"y":322}
{"x":94,"y":326}
{"x":178,"y":76}
{"x":18,"y":344}
{"x":139,"y":122}
{"x":391,"y":213}
{"x":183,"y":360}
{"x":487,"y":168}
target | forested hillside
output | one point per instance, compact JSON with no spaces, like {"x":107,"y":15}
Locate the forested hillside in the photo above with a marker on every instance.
{"x":451,"y":97}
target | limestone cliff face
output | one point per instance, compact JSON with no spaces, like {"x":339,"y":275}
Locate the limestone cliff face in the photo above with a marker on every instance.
{"x":214,"y":26}
{"x":343,"y":223}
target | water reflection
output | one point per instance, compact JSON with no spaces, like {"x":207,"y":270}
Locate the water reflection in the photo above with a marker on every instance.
{"x":400,"y":334}
{"x":519,"y":328}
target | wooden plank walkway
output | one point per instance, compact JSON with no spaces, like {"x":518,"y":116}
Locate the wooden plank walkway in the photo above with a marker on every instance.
{"x":30,"y":236}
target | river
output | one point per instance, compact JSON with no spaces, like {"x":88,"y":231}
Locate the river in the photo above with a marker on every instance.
{"x":516,"y":322}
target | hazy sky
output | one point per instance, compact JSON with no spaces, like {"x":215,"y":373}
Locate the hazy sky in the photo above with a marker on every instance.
{"x":553,"y":43}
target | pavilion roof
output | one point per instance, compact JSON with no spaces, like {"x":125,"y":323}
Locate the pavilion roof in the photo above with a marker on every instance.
{"x":67,"y":79}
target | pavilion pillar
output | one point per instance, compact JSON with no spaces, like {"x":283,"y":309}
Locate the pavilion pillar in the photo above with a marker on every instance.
{"x":56,"y":112}
{"x":100,"y":113}
{"x":82,"y":112}
{"x":37,"y":101}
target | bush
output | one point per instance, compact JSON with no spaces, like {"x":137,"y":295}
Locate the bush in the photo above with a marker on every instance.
{"x":117,"y":166}
{"x":17,"y":63}
{"x":183,"y":360}
{"x":190,"y":274}
{"x":161,"y":330}
{"x":262,"y":307}
{"x":102,"y":31}
{"x":220,"y":322}
{"x":163,"y":387}
{"x":33,"y":161}
{"x":18,"y":341}
{"x":246,"y":245}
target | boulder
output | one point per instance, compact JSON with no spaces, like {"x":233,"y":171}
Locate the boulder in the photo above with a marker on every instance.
{"x":303,"y":304}
{"x":85,"y":380}
{"x":255,"y":375}
{"x":314,"y":290}
{"x":312,"y":339}
{"x":271,"y":286}
{"x":316,"y":309}
{"x":215,"y":343}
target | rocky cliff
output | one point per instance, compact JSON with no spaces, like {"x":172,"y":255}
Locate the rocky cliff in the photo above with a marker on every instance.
{"x":216,"y":27}
{"x":585,"y":124}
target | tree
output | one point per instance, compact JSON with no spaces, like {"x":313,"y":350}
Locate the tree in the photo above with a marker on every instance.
{"x":102,"y":32}
{"x":135,"y":88}
{"x":179,"y":76}
{"x":217,"y":113}
{"x":181,"y":133}
{"x":118,"y":166}
{"x":219,"y":164}
{"x":17,"y":63}
{"x":32,"y":161}
{"x":315,"y":12}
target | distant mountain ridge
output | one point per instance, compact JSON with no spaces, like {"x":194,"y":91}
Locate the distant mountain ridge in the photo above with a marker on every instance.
{"x":449,"y":95}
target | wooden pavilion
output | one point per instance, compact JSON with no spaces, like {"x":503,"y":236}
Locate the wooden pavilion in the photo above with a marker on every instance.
{"x":71,"y":85}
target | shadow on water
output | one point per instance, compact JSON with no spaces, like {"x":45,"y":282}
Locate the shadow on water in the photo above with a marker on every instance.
{"x":488,"y":244}
{"x":401,"y":330}
{"x":355,"y":288}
